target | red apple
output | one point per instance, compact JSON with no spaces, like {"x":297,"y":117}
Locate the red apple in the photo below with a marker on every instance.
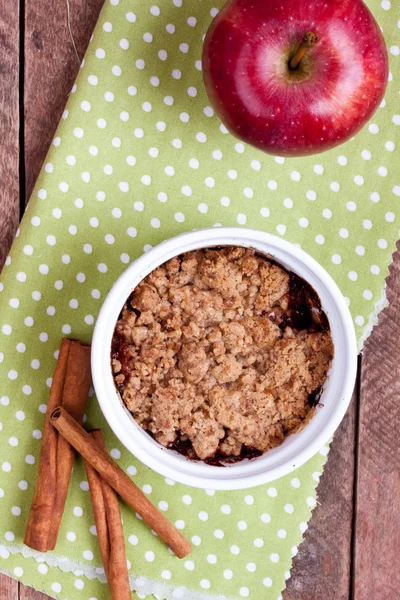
{"x":295,"y":77}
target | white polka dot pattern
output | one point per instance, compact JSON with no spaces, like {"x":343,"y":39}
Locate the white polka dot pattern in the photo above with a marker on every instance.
{"x":140,"y":156}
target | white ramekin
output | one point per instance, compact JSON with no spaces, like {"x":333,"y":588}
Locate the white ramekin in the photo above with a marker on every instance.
{"x":297,"y":448}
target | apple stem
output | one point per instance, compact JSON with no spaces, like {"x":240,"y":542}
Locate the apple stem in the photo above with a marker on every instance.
{"x":309,"y":40}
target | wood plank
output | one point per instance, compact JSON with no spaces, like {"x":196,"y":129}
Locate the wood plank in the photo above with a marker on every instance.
{"x":51,"y":66}
{"x":9,"y":163}
{"x":28,"y":593}
{"x":321,"y":569}
{"x":377,"y":526}
{"x":9,"y":125}
{"x":8,"y":588}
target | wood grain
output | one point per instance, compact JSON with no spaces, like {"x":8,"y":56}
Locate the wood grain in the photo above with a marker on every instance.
{"x":322,"y":568}
{"x":377,"y":526}
{"x":28,"y":593}
{"x":9,"y":126}
{"x":9,"y":163}
{"x":51,"y":67}
{"x":9,"y":588}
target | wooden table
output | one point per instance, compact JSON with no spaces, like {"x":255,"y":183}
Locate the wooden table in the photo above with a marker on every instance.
{"x":351,"y":546}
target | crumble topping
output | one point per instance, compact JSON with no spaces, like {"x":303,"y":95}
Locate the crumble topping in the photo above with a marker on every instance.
{"x":221,"y":349}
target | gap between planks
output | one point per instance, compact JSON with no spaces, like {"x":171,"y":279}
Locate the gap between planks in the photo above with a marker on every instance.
{"x":377,"y":524}
{"x":322,"y":568}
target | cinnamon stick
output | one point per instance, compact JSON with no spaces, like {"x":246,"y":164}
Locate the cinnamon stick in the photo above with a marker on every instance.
{"x":78,"y":379}
{"x":47,"y":503}
{"x":113,"y":548}
{"x":118,"y":480}
{"x":100,"y":515}
{"x":40,"y":515}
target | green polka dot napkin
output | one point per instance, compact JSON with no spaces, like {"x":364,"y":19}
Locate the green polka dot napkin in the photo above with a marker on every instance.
{"x":139,"y":156}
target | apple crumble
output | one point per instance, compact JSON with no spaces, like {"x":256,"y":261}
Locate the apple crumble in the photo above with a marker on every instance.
{"x":221,"y":351}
